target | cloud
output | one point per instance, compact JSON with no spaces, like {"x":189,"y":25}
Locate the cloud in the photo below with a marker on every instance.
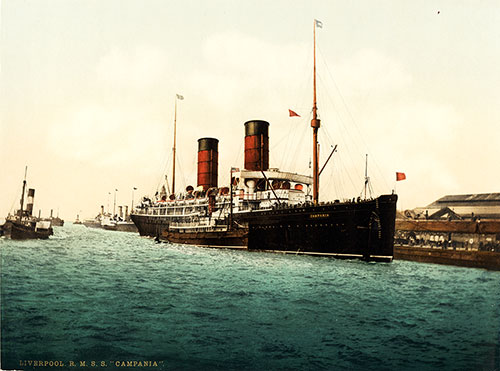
{"x":141,"y":66}
{"x":370,"y":71}
{"x":239,"y":68}
{"x":105,"y":136}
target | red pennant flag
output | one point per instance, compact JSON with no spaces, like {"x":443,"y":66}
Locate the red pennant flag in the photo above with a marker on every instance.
{"x":291,"y":113}
{"x":400,"y":176}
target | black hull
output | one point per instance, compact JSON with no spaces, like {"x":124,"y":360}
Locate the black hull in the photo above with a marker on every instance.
{"x":150,"y":226}
{"x":363,"y":230}
{"x":57,"y":222}
{"x":128,"y":227}
{"x":20,"y":231}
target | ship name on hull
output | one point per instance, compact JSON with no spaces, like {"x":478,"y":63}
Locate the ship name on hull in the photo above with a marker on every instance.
{"x":317,"y":216}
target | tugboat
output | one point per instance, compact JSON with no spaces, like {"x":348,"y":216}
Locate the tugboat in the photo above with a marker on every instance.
{"x":23,"y":225}
{"x":265,"y":209}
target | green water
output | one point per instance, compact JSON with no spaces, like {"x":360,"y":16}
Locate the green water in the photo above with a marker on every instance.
{"x":110,"y":297}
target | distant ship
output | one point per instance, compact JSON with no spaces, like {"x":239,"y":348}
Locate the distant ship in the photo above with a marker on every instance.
{"x":111,"y":223}
{"x":77,"y":220}
{"x":23,"y":225}
{"x":266,"y":209}
{"x":56,"y":221}
{"x":118,"y":224}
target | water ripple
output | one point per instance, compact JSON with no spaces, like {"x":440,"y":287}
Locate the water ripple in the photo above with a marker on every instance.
{"x":94,"y":294}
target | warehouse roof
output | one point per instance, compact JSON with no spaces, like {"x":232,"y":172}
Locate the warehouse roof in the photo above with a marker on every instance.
{"x":490,"y":199}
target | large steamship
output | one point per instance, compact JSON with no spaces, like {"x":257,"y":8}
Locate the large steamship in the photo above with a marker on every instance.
{"x":266,"y":209}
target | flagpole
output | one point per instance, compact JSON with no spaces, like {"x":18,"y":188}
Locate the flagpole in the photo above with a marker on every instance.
{"x":173,"y":149}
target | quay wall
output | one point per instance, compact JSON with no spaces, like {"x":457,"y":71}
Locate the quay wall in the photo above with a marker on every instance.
{"x":461,"y":243}
{"x":465,"y":258}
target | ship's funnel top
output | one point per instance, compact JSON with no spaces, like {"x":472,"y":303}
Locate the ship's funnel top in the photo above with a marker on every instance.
{"x":207,"y":144}
{"x":256,"y":145}
{"x":208,"y":160}
{"x":256,"y":127}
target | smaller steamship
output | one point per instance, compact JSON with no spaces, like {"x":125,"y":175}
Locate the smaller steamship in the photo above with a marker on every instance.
{"x":23,"y":225}
{"x":267,"y":209}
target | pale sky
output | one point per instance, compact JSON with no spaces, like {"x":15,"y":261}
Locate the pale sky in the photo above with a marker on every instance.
{"x":88,"y":91}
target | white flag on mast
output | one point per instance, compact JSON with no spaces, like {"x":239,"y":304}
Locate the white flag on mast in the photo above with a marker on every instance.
{"x":319,"y":24}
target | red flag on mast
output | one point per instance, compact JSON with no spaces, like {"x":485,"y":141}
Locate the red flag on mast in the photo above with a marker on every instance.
{"x":292,"y":113}
{"x":400,"y":176}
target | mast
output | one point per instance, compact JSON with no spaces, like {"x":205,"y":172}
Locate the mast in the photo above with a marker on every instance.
{"x":177,"y":97}
{"x":22,"y":194}
{"x":366,"y":173}
{"x":173,"y":149}
{"x":315,"y":123}
{"x":230,"y":199}
{"x":114,"y":204}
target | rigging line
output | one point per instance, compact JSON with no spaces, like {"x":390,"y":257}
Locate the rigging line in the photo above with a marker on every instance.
{"x":341,"y":159}
{"x":301,"y":97}
{"x":335,"y":109}
{"x":342,"y":136}
{"x":163,"y":174}
{"x":350,"y":114}
{"x":276,"y":147}
{"x":164,"y":162}
{"x":344,"y":175}
{"x":353,"y":120}
{"x":343,"y":184}
{"x":238,"y":153}
{"x":298,"y":145}
{"x":14,"y":200}
{"x":181,"y":170}
{"x":290,"y":138}
{"x":286,"y":138}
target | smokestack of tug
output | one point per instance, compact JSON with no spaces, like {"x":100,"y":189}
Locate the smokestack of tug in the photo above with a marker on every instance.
{"x":256,"y":145}
{"x":208,"y":159}
{"x":31,"y":201}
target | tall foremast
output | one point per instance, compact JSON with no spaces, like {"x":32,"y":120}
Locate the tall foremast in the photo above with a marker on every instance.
{"x":315,"y":123}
